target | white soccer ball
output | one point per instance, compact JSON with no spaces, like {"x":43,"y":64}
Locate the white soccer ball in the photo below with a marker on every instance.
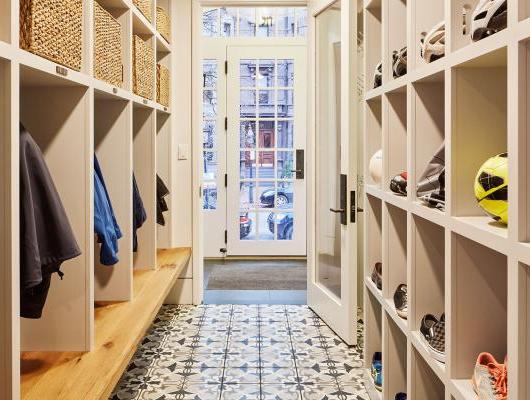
{"x":376,"y":166}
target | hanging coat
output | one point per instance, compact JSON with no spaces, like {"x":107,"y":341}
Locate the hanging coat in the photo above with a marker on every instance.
{"x":105,"y":225}
{"x":46,"y":237}
{"x":161,"y":206}
{"x":139,"y":215}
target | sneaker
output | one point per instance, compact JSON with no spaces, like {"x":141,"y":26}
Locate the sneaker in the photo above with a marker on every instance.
{"x":400,"y":301}
{"x":490,"y":379}
{"x":401,"y":396}
{"x":398,"y":184}
{"x":377,"y":370}
{"x":433,"y":333}
{"x":377,"y":275}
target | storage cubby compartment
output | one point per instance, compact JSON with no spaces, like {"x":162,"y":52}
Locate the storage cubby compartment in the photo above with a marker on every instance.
{"x":373,"y":31}
{"x":479,"y":288}
{"x":163,"y":157}
{"x":374,"y":230}
{"x":54,"y":112}
{"x":373,"y":333}
{"x":395,"y":134}
{"x":395,"y":248}
{"x":163,"y":58}
{"x":524,"y":9}
{"x":428,"y":106}
{"x":395,"y":20}
{"x":144,"y":166}
{"x":394,"y":359}
{"x":113,"y":130}
{"x":462,"y":10}
{"x":523,"y":143}
{"x":424,"y":382}
{"x":427,"y":15}
{"x":121,"y":13}
{"x":428,"y":271}
{"x":374,"y":139}
{"x":479,"y":132}
{"x":5,"y":20}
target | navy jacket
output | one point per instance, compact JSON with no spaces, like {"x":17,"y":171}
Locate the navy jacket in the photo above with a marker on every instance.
{"x":105,"y":224}
{"x":139,"y":215}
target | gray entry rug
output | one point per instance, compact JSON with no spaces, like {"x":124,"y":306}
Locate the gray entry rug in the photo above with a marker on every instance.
{"x":258,"y":275}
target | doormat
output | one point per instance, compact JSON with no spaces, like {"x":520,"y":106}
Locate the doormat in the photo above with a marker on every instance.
{"x":258,"y":275}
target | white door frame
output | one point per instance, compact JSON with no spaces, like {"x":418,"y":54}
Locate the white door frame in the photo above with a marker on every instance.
{"x":196,"y":100}
{"x":341,"y":315}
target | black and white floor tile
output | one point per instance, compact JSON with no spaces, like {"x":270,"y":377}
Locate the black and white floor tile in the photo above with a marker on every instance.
{"x":242,"y":352}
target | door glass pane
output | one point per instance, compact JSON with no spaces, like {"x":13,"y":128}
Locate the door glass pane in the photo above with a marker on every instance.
{"x":285,"y":165}
{"x":284,"y":222}
{"x":209,"y":73}
{"x":266,"y":165}
{"x":247,"y":164}
{"x":285,"y":21}
{"x":267,"y":74}
{"x":301,"y":21}
{"x":210,"y":22}
{"x":248,"y":104}
{"x":285,"y":103}
{"x":285,"y":134}
{"x":285,"y":73}
{"x":266,"y":134}
{"x":266,"y":103}
{"x":247,"y":132}
{"x":210,"y":165}
{"x":265,"y":229}
{"x":266,"y":22}
{"x":247,"y":73}
{"x":228,"y":21}
{"x":209,"y":195}
{"x":247,"y":225}
{"x":209,"y":136}
{"x":247,"y":197}
{"x":284,"y":195}
{"x":328,"y":226}
{"x":266,"y":194}
{"x":209,"y":103}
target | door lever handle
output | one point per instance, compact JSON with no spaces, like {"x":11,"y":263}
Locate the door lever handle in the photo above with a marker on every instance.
{"x":337,"y":210}
{"x":296,"y":170}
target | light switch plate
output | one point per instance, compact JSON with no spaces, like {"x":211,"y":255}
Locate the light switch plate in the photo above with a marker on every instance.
{"x":184,"y":151}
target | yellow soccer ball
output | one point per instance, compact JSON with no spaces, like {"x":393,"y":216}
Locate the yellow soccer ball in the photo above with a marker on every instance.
{"x":491,"y":187}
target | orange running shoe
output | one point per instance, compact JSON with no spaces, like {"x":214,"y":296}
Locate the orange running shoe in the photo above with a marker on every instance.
{"x":490,"y":379}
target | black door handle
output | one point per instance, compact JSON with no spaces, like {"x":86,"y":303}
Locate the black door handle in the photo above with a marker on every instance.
{"x":337,"y":210}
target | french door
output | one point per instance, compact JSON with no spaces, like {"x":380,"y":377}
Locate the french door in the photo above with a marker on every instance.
{"x":266,"y":138}
{"x":332,"y":276}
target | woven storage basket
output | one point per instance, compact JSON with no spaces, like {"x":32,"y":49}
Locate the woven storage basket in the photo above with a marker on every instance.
{"x":108,"y":65}
{"x":53,"y":29}
{"x":163,"y":23}
{"x":143,"y":69}
{"x":146,"y":7}
{"x":162,"y":85}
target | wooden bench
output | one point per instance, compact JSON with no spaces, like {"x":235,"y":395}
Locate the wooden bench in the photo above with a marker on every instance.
{"x":119,"y":327}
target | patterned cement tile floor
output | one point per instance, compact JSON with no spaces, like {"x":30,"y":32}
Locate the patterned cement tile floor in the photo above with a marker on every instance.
{"x":242,"y":352}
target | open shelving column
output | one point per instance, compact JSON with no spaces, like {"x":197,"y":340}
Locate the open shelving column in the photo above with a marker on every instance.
{"x":73,"y":116}
{"x":458,"y":261}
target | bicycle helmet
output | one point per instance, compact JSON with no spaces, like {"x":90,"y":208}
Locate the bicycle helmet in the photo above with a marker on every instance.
{"x":399,"y":62}
{"x":433,"y":43}
{"x":489,"y":17}
{"x":378,"y":75}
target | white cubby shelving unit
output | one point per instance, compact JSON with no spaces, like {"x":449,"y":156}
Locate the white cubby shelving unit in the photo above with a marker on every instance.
{"x":73,"y":116}
{"x":459,"y":261}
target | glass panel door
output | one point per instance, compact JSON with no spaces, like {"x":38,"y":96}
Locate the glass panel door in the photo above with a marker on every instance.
{"x":266,"y":196}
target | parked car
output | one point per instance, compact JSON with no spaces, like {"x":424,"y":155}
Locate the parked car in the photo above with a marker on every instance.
{"x":284,"y":197}
{"x":284,"y":225}
{"x":245,"y":225}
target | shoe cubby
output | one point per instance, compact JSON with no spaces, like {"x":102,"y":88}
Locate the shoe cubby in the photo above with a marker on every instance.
{"x":54,"y":112}
{"x":394,"y":251}
{"x":479,"y":287}
{"x":394,"y":359}
{"x":395,"y":21}
{"x":374,"y":138}
{"x":479,"y":131}
{"x":428,"y":130}
{"x":374,"y":235}
{"x":373,"y":29}
{"x":426,"y":15}
{"x":144,"y":167}
{"x":163,"y":155}
{"x":373,"y":333}
{"x":112,"y":130}
{"x":394,"y":135}
{"x":424,"y":383}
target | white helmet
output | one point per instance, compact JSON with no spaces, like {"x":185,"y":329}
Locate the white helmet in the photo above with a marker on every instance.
{"x":378,"y":75}
{"x":489,"y":16}
{"x":399,"y":62}
{"x":433,"y":43}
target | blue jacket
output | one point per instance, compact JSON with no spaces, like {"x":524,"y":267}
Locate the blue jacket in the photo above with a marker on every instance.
{"x":105,"y":224}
